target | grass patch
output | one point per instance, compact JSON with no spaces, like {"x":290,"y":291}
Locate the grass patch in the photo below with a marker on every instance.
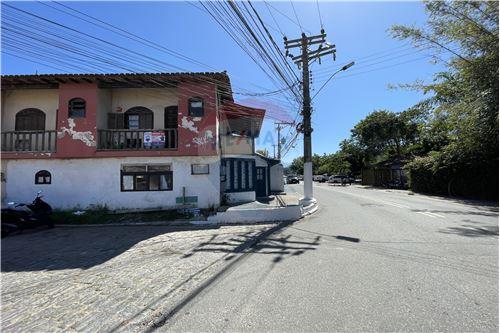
{"x":103,"y":216}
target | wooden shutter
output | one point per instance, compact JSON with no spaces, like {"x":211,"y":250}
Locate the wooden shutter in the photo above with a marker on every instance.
{"x":116,"y":121}
{"x":146,"y":120}
{"x":171,"y":117}
{"x":30,"y":120}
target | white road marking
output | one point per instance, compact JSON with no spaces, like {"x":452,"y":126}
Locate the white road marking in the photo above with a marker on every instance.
{"x":435,"y":214}
{"x":427,"y":214}
{"x":389,"y":203}
{"x":395,"y":204}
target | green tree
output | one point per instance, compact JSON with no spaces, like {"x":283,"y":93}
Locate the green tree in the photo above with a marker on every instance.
{"x":297,"y":166}
{"x":459,"y":143}
{"x":385,"y":132}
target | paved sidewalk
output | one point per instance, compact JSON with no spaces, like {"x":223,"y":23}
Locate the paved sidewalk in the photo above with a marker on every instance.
{"x":108,"y":279}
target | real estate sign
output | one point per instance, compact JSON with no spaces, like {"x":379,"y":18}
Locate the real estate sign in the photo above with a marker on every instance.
{"x":154,"y":139}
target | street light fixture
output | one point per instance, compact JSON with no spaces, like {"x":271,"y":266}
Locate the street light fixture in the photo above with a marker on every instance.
{"x":349,"y":65}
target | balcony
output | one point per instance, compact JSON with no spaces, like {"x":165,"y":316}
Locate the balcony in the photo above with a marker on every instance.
{"x":29,"y":141}
{"x":144,"y":139}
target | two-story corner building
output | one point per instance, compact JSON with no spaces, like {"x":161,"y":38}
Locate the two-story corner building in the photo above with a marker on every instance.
{"x":128,"y":141}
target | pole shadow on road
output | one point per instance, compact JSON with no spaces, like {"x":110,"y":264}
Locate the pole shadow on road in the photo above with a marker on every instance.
{"x":280,"y":246}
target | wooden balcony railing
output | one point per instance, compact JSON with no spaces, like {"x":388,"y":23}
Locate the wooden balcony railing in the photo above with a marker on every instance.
{"x":29,"y":141}
{"x":144,"y":139}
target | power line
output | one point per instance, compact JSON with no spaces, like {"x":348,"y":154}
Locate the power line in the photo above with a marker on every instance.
{"x":286,"y":16}
{"x":274,"y":19}
{"x":319,"y":14}
{"x":125,"y":33}
{"x":232,"y":33}
{"x":298,"y":21}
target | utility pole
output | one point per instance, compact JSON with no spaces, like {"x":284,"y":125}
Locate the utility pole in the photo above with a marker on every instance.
{"x":303,"y":60}
{"x":279,"y":128}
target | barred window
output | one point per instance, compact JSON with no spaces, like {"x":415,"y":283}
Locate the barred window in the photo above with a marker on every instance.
{"x":76,"y":108}
{"x":196,"y":107}
{"x":43,"y":177}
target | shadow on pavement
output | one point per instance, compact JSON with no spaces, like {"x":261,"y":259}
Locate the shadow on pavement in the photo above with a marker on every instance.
{"x":280,"y":246}
{"x":240,"y":248}
{"x":472,"y":231}
{"x":68,"y":248}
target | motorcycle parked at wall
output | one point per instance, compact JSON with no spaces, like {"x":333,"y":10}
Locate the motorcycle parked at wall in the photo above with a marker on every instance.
{"x":18,"y":217}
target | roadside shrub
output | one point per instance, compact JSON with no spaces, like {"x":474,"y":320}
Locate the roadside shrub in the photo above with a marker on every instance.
{"x":446,"y":174}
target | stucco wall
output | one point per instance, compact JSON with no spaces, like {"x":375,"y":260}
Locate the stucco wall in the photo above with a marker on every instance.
{"x":84,"y":182}
{"x":276,"y":178}
{"x":236,"y":145}
{"x":103,"y":108}
{"x":14,"y":101}
{"x":236,"y":197}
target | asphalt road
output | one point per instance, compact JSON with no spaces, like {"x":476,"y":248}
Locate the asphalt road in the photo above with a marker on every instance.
{"x":368,"y":260}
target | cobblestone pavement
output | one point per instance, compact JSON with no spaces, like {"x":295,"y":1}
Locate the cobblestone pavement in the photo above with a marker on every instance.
{"x":107,"y":279}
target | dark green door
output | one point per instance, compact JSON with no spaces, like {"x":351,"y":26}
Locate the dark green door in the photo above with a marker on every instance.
{"x":260,"y":182}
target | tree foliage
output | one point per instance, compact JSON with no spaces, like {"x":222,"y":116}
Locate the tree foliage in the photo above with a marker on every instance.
{"x":459,"y":141}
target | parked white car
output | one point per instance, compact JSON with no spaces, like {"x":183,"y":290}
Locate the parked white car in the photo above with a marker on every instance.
{"x":339,"y":179}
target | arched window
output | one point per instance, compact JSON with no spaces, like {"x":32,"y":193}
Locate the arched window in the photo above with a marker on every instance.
{"x":30,"y":120}
{"x":76,"y":108}
{"x":43,"y":177}
{"x":139,"y":117}
{"x":195,"y":107}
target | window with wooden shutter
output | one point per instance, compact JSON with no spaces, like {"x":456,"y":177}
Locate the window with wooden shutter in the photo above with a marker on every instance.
{"x":30,"y":120}
{"x":139,"y":117}
{"x":171,"y":116}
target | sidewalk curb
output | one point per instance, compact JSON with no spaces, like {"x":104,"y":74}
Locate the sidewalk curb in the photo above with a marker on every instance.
{"x":168,"y":224}
{"x":136,"y":224}
{"x":309,"y":210}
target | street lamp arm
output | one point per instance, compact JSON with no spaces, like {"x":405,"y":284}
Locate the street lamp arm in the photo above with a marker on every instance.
{"x":349,"y":65}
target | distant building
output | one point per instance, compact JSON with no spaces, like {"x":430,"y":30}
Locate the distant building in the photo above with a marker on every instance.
{"x":384,"y":173}
{"x":128,"y":141}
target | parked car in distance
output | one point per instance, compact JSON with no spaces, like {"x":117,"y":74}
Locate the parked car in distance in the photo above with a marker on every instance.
{"x":300,"y":177}
{"x":292,"y":180}
{"x":320,"y":178}
{"x":339,"y":179}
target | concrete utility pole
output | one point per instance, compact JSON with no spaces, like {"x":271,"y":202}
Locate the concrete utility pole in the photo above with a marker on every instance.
{"x":279,"y":128}
{"x":303,"y":60}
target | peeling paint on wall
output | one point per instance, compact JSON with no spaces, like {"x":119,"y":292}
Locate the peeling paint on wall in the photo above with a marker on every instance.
{"x":197,"y":119}
{"x":86,"y":137}
{"x":207,"y":138}
{"x":187,"y":124}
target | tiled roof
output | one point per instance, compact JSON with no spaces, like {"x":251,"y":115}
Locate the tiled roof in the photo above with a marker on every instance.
{"x":111,"y":80}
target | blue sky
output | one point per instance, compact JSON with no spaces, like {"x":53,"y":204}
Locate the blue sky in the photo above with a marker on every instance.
{"x":358,"y":29}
